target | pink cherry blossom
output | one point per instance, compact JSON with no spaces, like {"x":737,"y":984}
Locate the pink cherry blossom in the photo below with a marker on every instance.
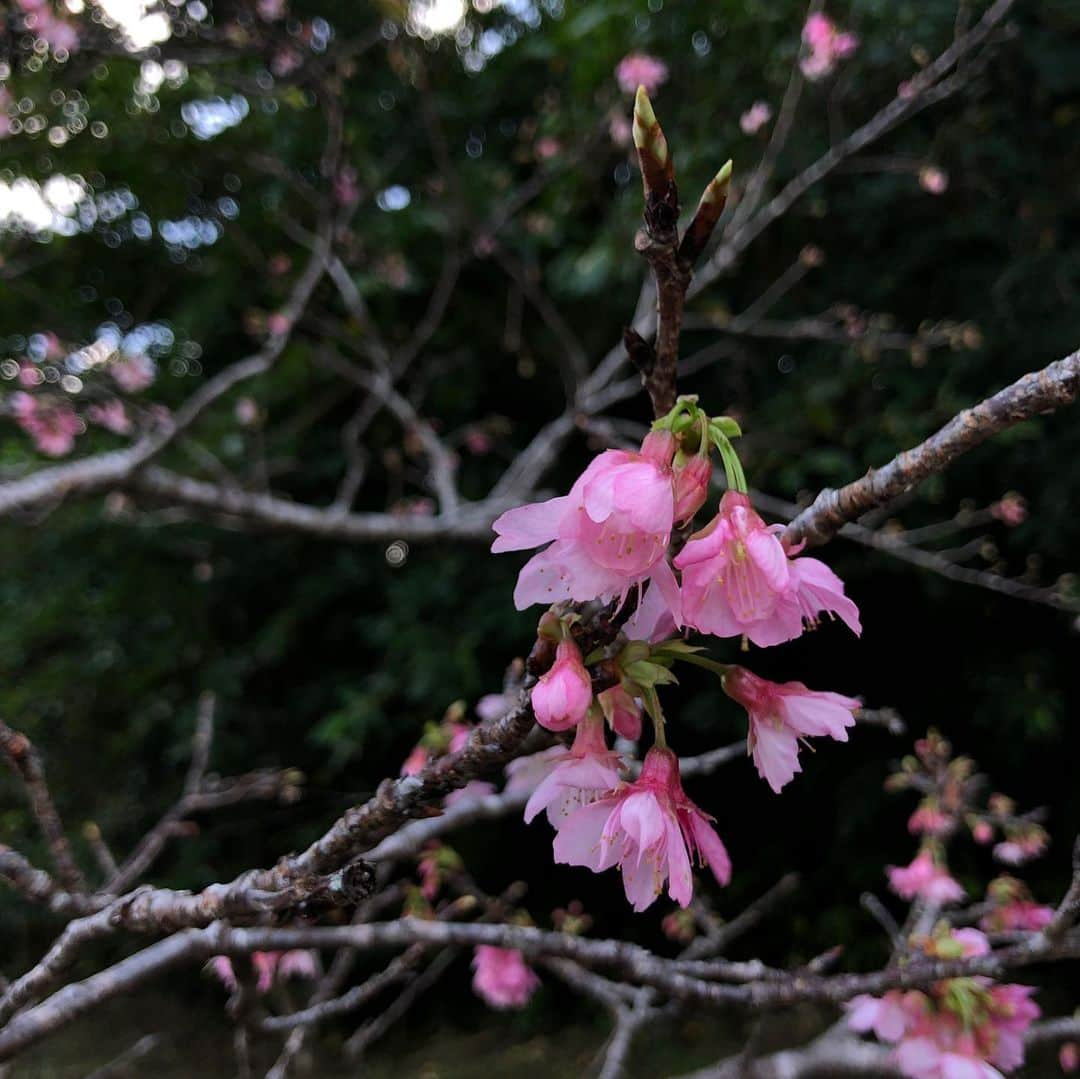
{"x":111,"y":415}
{"x":501,"y":977}
{"x":924,"y":879}
{"x":265,"y":964}
{"x":929,"y":819}
{"x":416,"y":761}
{"x":933,"y":180}
{"x":982,"y":832}
{"x":781,"y":714}
{"x":576,"y":778}
{"x":621,"y":711}
{"x":30,"y":375}
{"x":888,"y":1017}
{"x":691,"y":487}
{"x":52,"y":424}
{"x":493,"y":705}
{"x":1010,"y":509}
{"x":278,"y":323}
{"x":737,"y":580}
{"x":562,"y":696}
{"x":755,"y":117}
{"x":610,"y":532}
{"x":473,"y":791}
{"x":346,"y":188}
{"x":1018,"y":914}
{"x":1069,"y":1057}
{"x":298,"y":963}
{"x":825,"y":45}
{"x":270,"y":10}
{"x":1021,"y":847}
{"x":650,"y":829}
{"x":547,"y":147}
{"x":133,"y":374}
{"x":525,"y":774}
{"x":59,"y":34}
{"x":639,"y":69}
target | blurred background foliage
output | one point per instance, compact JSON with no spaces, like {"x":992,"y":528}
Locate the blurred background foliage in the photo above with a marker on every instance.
{"x":327,"y":657}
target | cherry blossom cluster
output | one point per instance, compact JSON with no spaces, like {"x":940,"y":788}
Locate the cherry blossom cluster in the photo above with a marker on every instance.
{"x":270,"y":968}
{"x":610,"y":539}
{"x":961,"y":1028}
{"x":825,"y":46}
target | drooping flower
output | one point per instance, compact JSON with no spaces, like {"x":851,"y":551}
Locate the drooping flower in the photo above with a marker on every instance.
{"x":924,"y":879}
{"x":610,"y":532}
{"x":501,"y":978}
{"x":738,"y":580}
{"x":561,"y":697}
{"x":650,"y":829}
{"x":782,"y":713}
{"x":525,"y":774}
{"x":639,"y":69}
{"x":622,"y":712}
{"x":755,"y":117}
{"x":576,"y":778}
{"x":825,"y":45}
{"x":692,"y":481}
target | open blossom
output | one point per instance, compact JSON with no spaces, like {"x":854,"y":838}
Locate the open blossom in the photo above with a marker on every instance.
{"x":1022,"y":847}
{"x":525,"y":774}
{"x":1023,"y":914}
{"x":563,"y":695}
{"x":576,"y":778}
{"x":650,"y":829}
{"x":782,"y":713}
{"x":738,"y":580}
{"x":621,"y":711}
{"x":501,"y":977}
{"x":755,"y":117}
{"x":639,"y":69}
{"x":825,"y":45}
{"x":133,"y":374}
{"x":925,"y":879}
{"x":53,"y":425}
{"x":610,"y":532}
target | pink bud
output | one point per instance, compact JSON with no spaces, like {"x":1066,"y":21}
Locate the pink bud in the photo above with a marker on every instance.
{"x":982,"y":833}
{"x":692,"y":487}
{"x":1069,"y":1057}
{"x":621,"y":711}
{"x":563,"y":695}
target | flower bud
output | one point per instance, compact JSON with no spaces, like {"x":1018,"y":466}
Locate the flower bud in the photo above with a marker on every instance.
{"x":563,"y":695}
{"x":691,"y":487}
{"x":622,"y":712}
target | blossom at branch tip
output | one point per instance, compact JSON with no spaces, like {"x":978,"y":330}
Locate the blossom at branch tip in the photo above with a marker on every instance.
{"x":639,"y":69}
{"x":650,"y":829}
{"x":562,"y":696}
{"x":924,"y":879}
{"x":622,"y":711}
{"x":609,"y":533}
{"x":576,"y":778}
{"x":501,"y":977}
{"x":737,"y":580}
{"x":783,"y":713}
{"x":825,"y":45}
{"x":52,"y":424}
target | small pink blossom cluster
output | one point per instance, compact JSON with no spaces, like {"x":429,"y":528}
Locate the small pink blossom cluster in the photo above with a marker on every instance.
{"x":825,"y":46}
{"x":269,"y":967}
{"x":133,"y":374}
{"x":924,"y":879}
{"x":51,"y":423}
{"x":639,"y":69}
{"x":755,"y":117}
{"x":502,"y":978}
{"x":41,"y":20}
{"x":449,"y":736}
{"x":1013,"y":909}
{"x":963,"y":1028}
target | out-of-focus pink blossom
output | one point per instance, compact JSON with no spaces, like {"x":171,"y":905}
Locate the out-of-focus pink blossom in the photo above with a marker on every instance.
{"x":547,"y":147}
{"x":930,"y":819}
{"x":416,"y":761}
{"x":501,"y":977}
{"x":562,"y":696}
{"x":493,"y":705}
{"x":576,"y":778}
{"x":29,"y":375}
{"x":738,"y":580}
{"x":111,"y":415}
{"x":825,"y":46}
{"x":650,"y":829}
{"x":133,"y":374}
{"x":782,"y":714}
{"x":285,"y":61}
{"x":1011,"y":509}
{"x":1069,"y":1057}
{"x":982,"y":832}
{"x":278,"y":323}
{"x":905,"y":90}
{"x":478,"y":442}
{"x":610,"y":532}
{"x":298,"y":963}
{"x":279,"y":264}
{"x":933,"y":180}
{"x":1021,"y":847}
{"x":755,"y":117}
{"x":222,"y":969}
{"x":346,"y":189}
{"x":1019,"y":914}
{"x":620,"y":129}
{"x":42,"y":21}
{"x":52,"y":424}
{"x":270,"y":10}
{"x":265,"y":964}
{"x":639,"y":69}
{"x":473,"y":791}
{"x":887,"y":1017}
{"x":621,"y":711}
{"x":924,"y":879}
